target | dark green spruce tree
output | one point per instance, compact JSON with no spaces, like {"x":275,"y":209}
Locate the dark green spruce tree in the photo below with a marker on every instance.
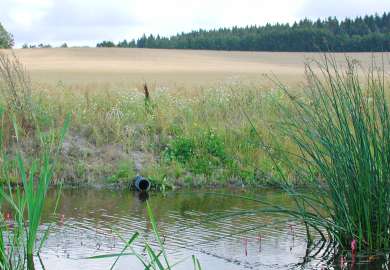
{"x":368,"y":33}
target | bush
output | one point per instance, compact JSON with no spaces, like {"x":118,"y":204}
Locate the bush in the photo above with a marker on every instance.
{"x":181,"y":149}
{"x":201,"y":154}
{"x":213,"y":145}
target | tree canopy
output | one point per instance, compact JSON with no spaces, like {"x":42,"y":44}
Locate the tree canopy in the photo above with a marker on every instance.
{"x":368,"y":33}
{"x":6,"y":39}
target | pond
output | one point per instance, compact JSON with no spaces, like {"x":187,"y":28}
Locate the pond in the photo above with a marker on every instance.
{"x":88,"y":222}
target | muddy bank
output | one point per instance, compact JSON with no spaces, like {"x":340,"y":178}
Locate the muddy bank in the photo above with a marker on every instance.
{"x":83,"y":163}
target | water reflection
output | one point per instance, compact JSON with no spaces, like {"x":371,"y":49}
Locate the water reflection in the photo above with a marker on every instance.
{"x":143,"y":196}
{"x":89,"y":221}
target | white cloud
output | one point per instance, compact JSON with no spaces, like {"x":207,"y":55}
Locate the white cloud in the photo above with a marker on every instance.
{"x":171,"y":16}
{"x":24,"y":13}
{"x":84,"y":22}
{"x":343,"y":8}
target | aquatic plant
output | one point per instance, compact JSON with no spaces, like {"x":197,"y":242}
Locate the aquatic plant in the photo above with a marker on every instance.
{"x":24,"y":201}
{"x":341,"y":128}
{"x":26,"y":205}
{"x":156,"y":259}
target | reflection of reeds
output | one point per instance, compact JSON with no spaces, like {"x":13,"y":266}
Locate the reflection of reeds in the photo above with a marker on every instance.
{"x":342,"y":131}
{"x":156,"y":258}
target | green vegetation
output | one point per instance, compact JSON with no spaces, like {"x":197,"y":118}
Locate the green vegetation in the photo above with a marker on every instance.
{"x":22,"y":236}
{"x":107,"y":44}
{"x":20,"y":226}
{"x":25,"y":175}
{"x":341,"y":129}
{"x":333,"y":136}
{"x":370,"y":33}
{"x":6,"y":39}
{"x":196,"y":137}
{"x":175,"y":138}
{"x":180,"y":138}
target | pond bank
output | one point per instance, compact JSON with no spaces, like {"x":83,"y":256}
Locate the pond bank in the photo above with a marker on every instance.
{"x":113,"y":166}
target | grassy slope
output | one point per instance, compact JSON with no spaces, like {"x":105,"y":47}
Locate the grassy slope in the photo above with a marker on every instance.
{"x":193,"y":131}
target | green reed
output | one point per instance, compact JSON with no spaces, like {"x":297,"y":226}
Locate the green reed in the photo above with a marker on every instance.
{"x":341,"y":129}
{"x":20,"y":227}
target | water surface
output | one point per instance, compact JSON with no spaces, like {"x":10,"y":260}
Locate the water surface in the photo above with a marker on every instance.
{"x":89,"y":220}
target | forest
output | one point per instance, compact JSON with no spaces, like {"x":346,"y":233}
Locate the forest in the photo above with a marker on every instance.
{"x":368,"y":33}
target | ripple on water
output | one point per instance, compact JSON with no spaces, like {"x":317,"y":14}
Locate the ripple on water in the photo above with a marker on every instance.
{"x":187,"y":224}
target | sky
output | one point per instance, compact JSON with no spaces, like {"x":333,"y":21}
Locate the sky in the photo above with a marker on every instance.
{"x":86,"y":22}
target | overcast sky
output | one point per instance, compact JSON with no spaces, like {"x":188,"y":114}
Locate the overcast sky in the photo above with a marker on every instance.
{"x":85,"y":22}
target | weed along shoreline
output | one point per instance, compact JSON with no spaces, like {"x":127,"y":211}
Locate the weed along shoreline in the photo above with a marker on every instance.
{"x":231,"y":174}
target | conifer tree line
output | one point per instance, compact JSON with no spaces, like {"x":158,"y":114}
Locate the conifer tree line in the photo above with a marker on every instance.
{"x":368,"y":33}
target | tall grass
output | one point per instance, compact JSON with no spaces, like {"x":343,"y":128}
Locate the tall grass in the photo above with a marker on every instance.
{"x":22,"y":200}
{"x":20,"y":226}
{"x":16,"y":91}
{"x":207,"y":123}
{"x":341,"y":128}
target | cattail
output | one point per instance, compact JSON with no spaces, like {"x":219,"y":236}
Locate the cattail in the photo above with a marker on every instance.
{"x":146,"y":92}
{"x":148,"y":105}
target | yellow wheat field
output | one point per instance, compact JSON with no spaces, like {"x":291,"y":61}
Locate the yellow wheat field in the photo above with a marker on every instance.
{"x":168,"y":68}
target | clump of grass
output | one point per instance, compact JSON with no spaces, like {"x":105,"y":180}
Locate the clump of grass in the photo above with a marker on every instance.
{"x":26,"y":205}
{"x":182,"y":149}
{"x":19,"y":228}
{"x":341,"y":129}
{"x":199,"y":152}
{"x":16,"y":91}
{"x":125,"y":172}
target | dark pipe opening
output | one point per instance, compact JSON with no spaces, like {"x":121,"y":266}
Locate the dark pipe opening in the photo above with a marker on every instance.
{"x":141,"y":183}
{"x":144,"y":184}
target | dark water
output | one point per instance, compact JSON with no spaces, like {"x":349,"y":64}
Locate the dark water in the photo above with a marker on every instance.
{"x":88,"y":221}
